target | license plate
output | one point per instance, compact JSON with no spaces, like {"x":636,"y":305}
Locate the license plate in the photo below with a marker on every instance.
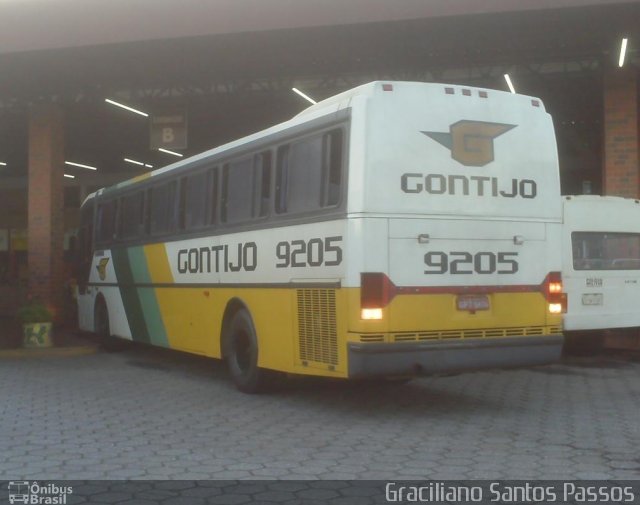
{"x":472,"y":302}
{"x":592,"y":299}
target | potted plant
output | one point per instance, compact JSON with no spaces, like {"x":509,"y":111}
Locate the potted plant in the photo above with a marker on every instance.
{"x":36,"y":324}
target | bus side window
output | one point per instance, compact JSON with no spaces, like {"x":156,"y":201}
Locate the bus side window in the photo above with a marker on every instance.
{"x":282,"y":172}
{"x":262,"y":191}
{"x":195,"y":200}
{"x":163,"y":208}
{"x":333,"y":162}
{"x":213,"y":192}
{"x":304,"y":181}
{"x":309,"y":173}
{"x":238,"y":182}
{"x":132,"y":216}
{"x":106,"y":221}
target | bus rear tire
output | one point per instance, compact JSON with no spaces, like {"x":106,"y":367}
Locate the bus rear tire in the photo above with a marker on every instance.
{"x":242,"y":355}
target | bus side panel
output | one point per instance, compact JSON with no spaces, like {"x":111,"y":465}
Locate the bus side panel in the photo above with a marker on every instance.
{"x":283,"y":276}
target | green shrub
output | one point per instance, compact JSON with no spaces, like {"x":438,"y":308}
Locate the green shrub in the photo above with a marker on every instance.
{"x":35,"y":312}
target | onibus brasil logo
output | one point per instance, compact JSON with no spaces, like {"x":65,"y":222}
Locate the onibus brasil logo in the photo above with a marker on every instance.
{"x":23,"y":491}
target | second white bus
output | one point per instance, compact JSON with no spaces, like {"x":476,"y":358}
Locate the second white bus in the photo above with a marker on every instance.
{"x":601,"y":262}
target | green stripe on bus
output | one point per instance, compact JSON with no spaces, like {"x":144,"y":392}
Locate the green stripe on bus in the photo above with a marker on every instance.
{"x":128,"y":292}
{"x":147,"y":296}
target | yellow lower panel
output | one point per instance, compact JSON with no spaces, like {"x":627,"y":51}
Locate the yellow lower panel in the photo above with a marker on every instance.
{"x":192,"y":318}
{"x":302,"y":340}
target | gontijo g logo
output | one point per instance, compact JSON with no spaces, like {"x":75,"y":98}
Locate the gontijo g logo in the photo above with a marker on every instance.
{"x":101,"y":267}
{"x":471,"y":142}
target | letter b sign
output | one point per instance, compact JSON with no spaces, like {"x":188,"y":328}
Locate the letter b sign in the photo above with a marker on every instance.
{"x":169,"y":130}
{"x":168,"y":136}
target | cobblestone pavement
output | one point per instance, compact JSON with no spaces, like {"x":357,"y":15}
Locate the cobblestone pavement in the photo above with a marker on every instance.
{"x":151,"y":414}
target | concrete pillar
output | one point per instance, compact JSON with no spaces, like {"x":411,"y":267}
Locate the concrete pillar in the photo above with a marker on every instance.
{"x":621,"y":174}
{"x":46,"y":227}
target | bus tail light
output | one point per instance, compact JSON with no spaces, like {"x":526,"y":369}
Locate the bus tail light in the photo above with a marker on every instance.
{"x":553,"y":293}
{"x":371,"y":314}
{"x":376,"y":291}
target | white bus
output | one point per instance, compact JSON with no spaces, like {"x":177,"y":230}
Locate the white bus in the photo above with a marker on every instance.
{"x":394,"y":229}
{"x":601,"y":262}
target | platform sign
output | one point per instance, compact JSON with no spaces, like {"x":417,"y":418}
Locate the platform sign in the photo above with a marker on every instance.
{"x":169,"y":130}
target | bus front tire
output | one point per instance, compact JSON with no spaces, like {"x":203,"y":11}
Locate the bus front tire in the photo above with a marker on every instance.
{"x":102,"y":330}
{"x":242,"y":355}
{"x":101,"y":320}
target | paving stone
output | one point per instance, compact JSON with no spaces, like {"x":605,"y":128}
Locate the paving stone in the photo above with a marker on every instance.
{"x":116,"y":416}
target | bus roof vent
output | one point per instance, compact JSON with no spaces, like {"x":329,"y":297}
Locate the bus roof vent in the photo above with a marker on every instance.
{"x":449,"y":91}
{"x":483,"y":94}
{"x":535,"y":103}
{"x":387,"y":87}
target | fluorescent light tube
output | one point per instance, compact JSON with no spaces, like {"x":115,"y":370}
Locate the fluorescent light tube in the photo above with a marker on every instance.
{"x":509,"y":83}
{"x":80,"y":165}
{"x":170,"y":152}
{"x":126,"y":107}
{"x":623,"y":52}
{"x":296,"y":90}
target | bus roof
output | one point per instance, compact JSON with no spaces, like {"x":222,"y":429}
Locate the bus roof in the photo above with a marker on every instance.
{"x":326,"y":106}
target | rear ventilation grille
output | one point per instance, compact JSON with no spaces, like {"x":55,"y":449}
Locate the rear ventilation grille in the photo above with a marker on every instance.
{"x":317,"y":325}
{"x":476,"y":333}
{"x":371,"y":338}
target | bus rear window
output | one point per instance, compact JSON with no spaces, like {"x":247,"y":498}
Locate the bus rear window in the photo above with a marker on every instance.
{"x":605,"y":251}
{"x":309,"y":173}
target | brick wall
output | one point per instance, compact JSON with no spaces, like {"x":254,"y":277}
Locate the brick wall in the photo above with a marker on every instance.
{"x":45,"y":221}
{"x":621,"y":174}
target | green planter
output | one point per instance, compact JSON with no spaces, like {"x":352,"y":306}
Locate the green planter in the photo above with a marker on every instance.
{"x":36,"y":324}
{"x":36,"y":334}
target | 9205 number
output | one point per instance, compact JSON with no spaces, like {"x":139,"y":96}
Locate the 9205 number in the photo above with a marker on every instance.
{"x":314,"y":253}
{"x":460,"y":262}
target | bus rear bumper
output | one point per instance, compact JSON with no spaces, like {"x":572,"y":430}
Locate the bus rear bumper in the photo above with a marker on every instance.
{"x":432,"y":358}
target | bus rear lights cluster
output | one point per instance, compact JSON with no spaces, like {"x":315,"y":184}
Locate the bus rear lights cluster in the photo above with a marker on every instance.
{"x":553,"y":293}
{"x":376,"y":291}
{"x":556,"y":308}
{"x":371,"y":314}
